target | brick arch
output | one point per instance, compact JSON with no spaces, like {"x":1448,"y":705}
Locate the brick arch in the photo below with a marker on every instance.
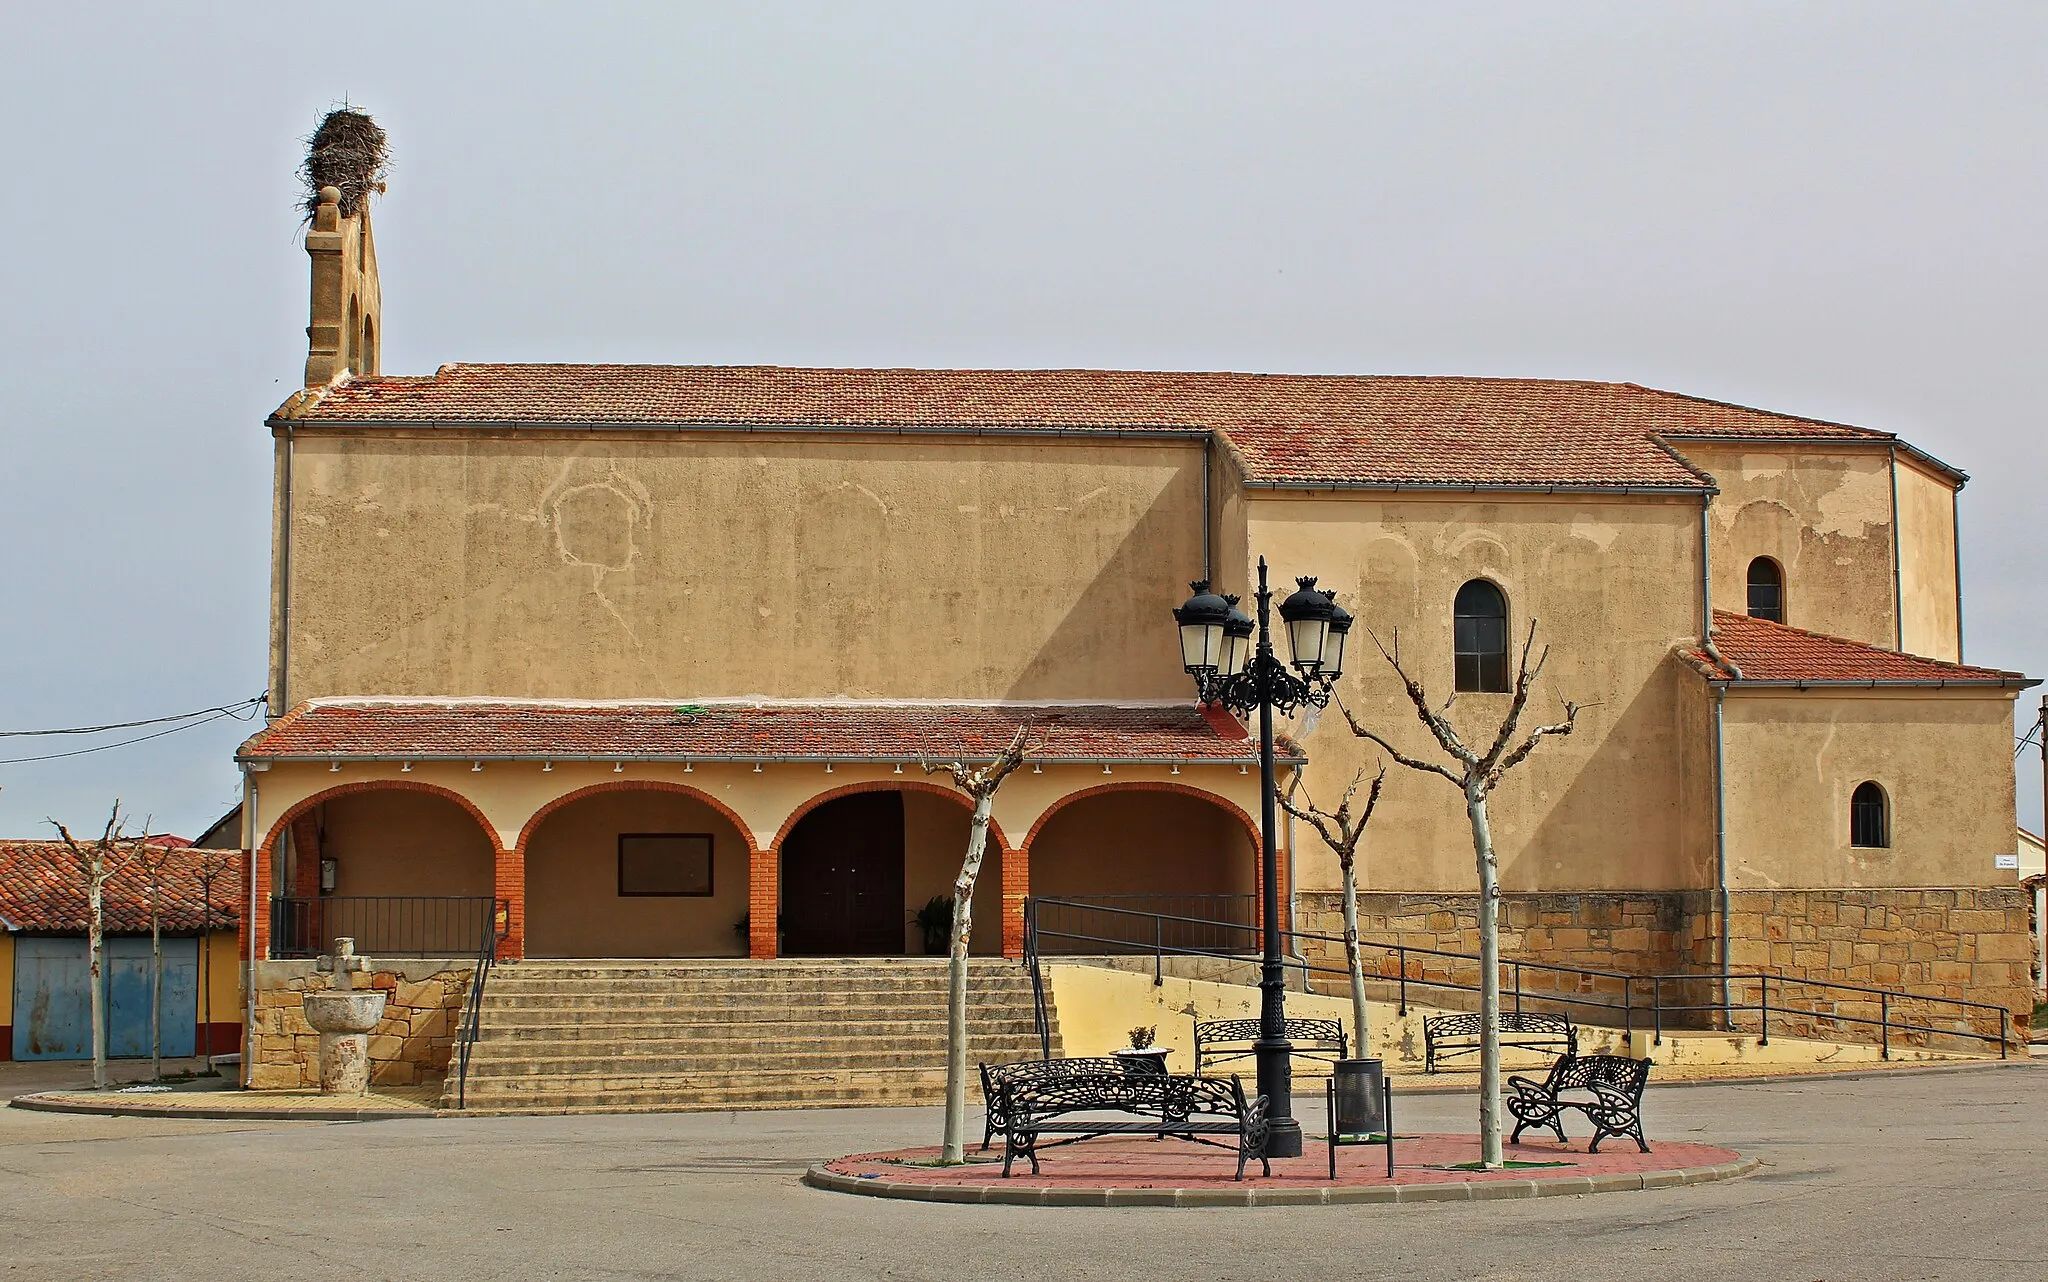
{"x":257,"y":919}
{"x":539,"y":816}
{"x":1149,"y":785}
{"x":883,"y":785}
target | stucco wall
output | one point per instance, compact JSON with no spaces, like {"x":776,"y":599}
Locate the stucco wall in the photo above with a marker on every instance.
{"x":1823,"y":515}
{"x":1944,"y":759}
{"x":1927,"y":562}
{"x":934,"y":843}
{"x":573,"y":905}
{"x":1611,"y":584}
{"x":694,"y":565}
{"x":1123,"y":843}
{"x":404,"y":843}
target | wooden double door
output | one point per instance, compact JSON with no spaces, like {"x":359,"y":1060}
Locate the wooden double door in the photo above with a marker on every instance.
{"x":842,"y":879}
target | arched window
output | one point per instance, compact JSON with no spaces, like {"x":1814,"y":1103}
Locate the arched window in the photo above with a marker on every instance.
{"x":1766,"y":590}
{"x":369,"y":352}
{"x":1869,"y":817}
{"x":1480,"y":638}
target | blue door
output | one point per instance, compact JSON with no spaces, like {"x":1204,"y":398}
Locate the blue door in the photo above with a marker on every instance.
{"x":53,"y":1009}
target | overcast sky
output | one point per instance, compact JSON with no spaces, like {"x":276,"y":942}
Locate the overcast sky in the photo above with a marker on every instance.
{"x":1830,"y":209}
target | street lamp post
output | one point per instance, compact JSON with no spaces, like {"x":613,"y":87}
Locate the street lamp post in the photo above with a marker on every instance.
{"x":1217,"y":651}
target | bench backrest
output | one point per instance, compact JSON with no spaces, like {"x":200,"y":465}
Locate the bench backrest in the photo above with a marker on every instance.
{"x":1247,"y":1030}
{"x":1466,"y":1024}
{"x":1168,"y":1097}
{"x":993,"y":1076}
{"x":1616,"y":1072}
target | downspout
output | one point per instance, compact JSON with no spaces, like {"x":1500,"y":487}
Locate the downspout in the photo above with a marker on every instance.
{"x":1208,"y":517}
{"x":284,"y":585}
{"x":1294,"y":905}
{"x":1898,"y":592}
{"x":249,"y":921}
{"x":1955,"y":517}
{"x":1723,"y":900}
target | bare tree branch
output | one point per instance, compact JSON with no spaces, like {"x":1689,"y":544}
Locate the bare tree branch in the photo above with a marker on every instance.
{"x":1442,"y":729}
{"x":1513,"y":759}
{"x":1400,"y":758}
{"x":1525,"y":678}
{"x":977,"y":781}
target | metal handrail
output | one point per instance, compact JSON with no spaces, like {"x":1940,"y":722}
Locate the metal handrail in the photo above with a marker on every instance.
{"x":473,"y":1003}
{"x":382,"y":925}
{"x":1625,"y":1003}
{"x":1040,"y":1020}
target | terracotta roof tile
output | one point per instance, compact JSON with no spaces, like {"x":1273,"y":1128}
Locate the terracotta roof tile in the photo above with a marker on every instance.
{"x":483,"y":729}
{"x":1290,"y":429}
{"x":41,"y":889}
{"x":1775,"y":653}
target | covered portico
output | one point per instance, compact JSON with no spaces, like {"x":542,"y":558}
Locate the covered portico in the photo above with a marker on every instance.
{"x":722,"y":828}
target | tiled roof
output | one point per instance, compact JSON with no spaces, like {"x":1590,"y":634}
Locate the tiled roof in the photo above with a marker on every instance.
{"x":42,"y":889}
{"x":463,"y":729}
{"x":1776,"y":654}
{"x":1290,"y":429}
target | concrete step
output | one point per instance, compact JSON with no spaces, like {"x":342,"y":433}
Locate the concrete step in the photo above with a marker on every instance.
{"x":734,"y":1064}
{"x":844,"y":989}
{"x":877,"y":1031}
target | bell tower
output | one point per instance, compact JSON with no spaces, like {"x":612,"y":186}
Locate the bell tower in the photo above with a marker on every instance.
{"x":345,"y":165}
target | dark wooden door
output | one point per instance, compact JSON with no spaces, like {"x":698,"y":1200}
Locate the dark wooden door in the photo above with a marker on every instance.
{"x":842,"y":879}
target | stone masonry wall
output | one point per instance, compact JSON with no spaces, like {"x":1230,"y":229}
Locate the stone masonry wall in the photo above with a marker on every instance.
{"x":410,"y":1046}
{"x":1971,"y":944}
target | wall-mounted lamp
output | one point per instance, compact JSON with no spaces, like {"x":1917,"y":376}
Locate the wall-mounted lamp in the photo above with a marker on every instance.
{"x":405,"y":768}
{"x":334,"y":767}
{"x":477,"y":768}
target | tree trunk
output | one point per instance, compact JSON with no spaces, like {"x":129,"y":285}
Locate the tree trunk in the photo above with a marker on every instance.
{"x":156,"y":996}
{"x":1352,"y":962}
{"x":1489,"y":979}
{"x":956,"y":987}
{"x":95,"y":947}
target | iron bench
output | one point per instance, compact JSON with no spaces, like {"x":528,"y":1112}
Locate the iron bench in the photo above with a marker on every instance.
{"x":1221,"y":1041}
{"x":1170,"y":1106}
{"x":1448,"y":1036}
{"x":1611,"y":1097}
{"x":994,"y":1076}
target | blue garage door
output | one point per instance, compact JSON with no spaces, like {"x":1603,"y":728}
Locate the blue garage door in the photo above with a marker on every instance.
{"x":53,"y":1009}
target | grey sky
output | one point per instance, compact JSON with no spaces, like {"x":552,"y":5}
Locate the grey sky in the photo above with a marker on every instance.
{"x":1832,"y":210}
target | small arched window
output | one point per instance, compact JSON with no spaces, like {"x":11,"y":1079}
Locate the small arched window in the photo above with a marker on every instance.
{"x":1480,"y":638}
{"x":1869,"y":817}
{"x":1766,"y":590}
{"x":369,"y":352}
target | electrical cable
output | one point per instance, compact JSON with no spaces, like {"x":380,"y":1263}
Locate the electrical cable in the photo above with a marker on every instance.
{"x":230,"y":708}
{"x":241,"y":712}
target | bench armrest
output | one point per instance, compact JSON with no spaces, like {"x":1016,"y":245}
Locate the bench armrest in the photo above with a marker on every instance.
{"x":1524,"y":1087}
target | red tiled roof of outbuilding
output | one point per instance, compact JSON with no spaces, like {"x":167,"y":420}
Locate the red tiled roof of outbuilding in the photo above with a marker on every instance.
{"x":1773,"y":653}
{"x":42,"y":889}
{"x":1290,"y":429}
{"x":483,"y":729}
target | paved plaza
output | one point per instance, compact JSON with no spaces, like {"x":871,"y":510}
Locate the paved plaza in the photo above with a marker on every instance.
{"x":1899,"y":1176}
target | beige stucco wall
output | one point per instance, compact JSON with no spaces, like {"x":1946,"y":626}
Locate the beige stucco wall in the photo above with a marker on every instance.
{"x":1944,"y":759}
{"x":1615,"y":585}
{"x":1143,"y":843}
{"x":404,"y":843}
{"x":573,"y":905}
{"x":1927,"y":562}
{"x":1825,"y":515}
{"x":691,"y":565}
{"x":934,"y":844}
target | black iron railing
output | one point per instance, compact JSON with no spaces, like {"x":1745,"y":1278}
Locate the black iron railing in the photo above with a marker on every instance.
{"x":1742,"y":1002}
{"x":473,"y":1004}
{"x":382,"y":925}
{"x":1197,"y":924}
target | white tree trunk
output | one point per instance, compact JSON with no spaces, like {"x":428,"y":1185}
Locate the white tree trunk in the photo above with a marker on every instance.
{"x":1489,"y":979}
{"x":95,"y":947}
{"x":1352,"y":962}
{"x":956,"y":988}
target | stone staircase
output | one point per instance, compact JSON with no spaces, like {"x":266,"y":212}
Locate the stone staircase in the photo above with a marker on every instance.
{"x":630,"y":1036}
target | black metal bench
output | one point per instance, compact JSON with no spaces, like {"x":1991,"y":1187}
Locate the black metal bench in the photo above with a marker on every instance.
{"x":1448,"y":1036}
{"x":1611,"y":1097}
{"x":1170,"y":1106}
{"x":994,"y":1076}
{"x":1222,"y":1041}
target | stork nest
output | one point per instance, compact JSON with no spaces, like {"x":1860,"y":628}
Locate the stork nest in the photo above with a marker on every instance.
{"x":348,"y":151}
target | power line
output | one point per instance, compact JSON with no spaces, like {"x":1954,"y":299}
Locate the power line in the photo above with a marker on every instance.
{"x":239,"y":711}
{"x":130,"y":725}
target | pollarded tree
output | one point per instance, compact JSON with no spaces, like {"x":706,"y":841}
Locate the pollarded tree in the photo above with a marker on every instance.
{"x":97,"y":861}
{"x":1341,"y":830}
{"x":980,"y":784}
{"x":1477,"y":774}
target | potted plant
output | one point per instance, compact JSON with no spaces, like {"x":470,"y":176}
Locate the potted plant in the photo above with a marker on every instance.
{"x":935,"y":919}
{"x":1141,"y":1057}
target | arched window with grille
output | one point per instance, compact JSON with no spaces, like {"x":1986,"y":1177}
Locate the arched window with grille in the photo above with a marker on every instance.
{"x":1480,"y":638}
{"x":1870,"y":820}
{"x":1766,"y":590}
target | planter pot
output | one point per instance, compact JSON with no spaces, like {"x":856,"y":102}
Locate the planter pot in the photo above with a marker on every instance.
{"x":1150,"y":1062}
{"x":1357,"y":1097}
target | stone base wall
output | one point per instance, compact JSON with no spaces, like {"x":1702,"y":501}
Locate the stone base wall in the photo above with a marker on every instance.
{"x":1971,"y":944}
{"x":410,"y":1046}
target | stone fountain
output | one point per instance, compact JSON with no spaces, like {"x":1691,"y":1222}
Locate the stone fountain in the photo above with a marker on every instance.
{"x":343,"y":1016}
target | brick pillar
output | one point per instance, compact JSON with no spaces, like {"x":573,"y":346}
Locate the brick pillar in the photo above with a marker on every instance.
{"x":1016,"y":888}
{"x":763,"y":902}
{"x":306,"y":855}
{"x":510,"y":888}
{"x":255,"y":915}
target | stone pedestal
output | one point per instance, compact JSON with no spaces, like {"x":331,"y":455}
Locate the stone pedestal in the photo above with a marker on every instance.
{"x":343,"y":1018}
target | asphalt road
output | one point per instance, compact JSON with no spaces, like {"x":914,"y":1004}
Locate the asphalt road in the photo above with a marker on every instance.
{"x":1900,"y":1177}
